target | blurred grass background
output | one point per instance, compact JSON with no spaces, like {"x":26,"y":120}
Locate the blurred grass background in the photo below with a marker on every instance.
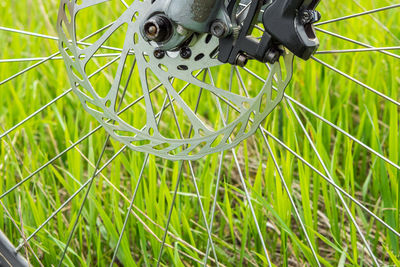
{"x":363,"y":175}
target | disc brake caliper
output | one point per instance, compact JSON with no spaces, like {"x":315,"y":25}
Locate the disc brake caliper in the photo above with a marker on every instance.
{"x":286,"y":23}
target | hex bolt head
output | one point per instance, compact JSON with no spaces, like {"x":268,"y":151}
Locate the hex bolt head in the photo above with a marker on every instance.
{"x":241,"y":60}
{"x":185,"y":52}
{"x":272,"y":55}
{"x":158,"y":53}
{"x":218,"y":29}
{"x":309,"y":16}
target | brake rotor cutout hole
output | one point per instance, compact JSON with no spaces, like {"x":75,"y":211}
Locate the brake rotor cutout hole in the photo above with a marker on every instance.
{"x":182,"y":67}
{"x":199,"y":57}
{"x":208,"y":38}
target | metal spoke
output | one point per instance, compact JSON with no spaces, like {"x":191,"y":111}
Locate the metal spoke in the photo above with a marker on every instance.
{"x":240,"y":78}
{"x":356,"y":81}
{"x":355,"y":42}
{"x":83,"y":138}
{"x":124,"y":3}
{"x":21,"y":232}
{"x":244,"y":184}
{"x":54,"y":100}
{"x":202,"y":211}
{"x":170,"y":213}
{"x":14,"y":60}
{"x":330,"y":124}
{"x":359,"y":50}
{"x":264,"y":131}
{"x":96,"y":168}
{"x":89,"y":186}
{"x":136,"y":189}
{"x":81,"y":42}
{"x":51,"y":56}
{"x":129,"y":210}
{"x":29,"y":68}
{"x":70,"y":199}
{"x":305,"y":162}
{"x":358,"y":14}
{"x":278,"y":169}
{"x":330,"y":178}
{"x":221,"y":159}
{"x":193,"y":177}
{"x":251,"y":207}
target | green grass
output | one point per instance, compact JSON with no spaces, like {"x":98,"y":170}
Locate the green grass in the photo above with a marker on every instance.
{"x":353,"y":108}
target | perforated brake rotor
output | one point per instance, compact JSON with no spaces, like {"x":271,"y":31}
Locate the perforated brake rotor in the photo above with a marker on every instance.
{"x":177,"y":100}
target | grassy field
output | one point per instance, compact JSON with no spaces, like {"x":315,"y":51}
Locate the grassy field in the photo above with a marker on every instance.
{"x":368,"y":117}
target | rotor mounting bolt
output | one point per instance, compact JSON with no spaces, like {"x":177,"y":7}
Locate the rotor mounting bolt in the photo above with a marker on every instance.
{"x":158,"y":53}
{"x":185,"y":52}
{"x":241,"y":60}
{"x":219,"y":29}
{"x":158,"y":28}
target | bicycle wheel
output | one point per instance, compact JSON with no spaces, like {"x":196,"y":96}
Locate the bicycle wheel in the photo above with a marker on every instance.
{"x":183,"y":160}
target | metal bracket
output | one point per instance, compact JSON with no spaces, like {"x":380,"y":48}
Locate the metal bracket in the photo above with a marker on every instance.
{"x":287,"y":23}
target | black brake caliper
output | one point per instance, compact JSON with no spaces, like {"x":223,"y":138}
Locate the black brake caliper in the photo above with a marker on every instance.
{"x":287,"y":23}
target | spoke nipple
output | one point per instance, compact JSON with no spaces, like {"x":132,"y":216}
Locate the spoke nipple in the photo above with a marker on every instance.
{"x":185,"y":52}
{"x":158,"y":53}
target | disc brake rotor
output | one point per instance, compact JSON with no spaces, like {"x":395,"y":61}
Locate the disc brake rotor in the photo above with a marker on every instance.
{"x":185,"y":106}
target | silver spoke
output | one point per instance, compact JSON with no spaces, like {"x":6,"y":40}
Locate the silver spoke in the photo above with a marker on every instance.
{"x":243,"y":182}
{"x":81,"y":42}
{"x":278,"y":169}
{"x":53,"y":55}
{"x":356,"y":81}
{"x":70,"y":199}
{"x":53,"y":101}
{"x":124,"y":3}
{"x":83,"y":138}
{"x":240,"y":78}
{"x":349,"y":214}
{"x":21,"y":232}
{"x":202,"y":211}
{"x":325,"y":177}
{"x":89,"y":186}
{"x":129,"y":210}
{"x":136,"y":188}
{"x":29,"y":68}
{"x":251,"y":207}
{"x":221,"y":159}
{"x":358,"y":14}
{"x":49,"y":162}
{"x":14,"y":60}
{"x":305,"y":162}
{"x":193,"y":178}
{"x":359,"y":50}
{"x":170,"y":214}
{"x":355,"y":42}
{"x":95,"y":170}
{"x":331,"y":124}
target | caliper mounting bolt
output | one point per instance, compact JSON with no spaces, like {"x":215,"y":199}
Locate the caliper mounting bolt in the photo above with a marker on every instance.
{"x":185,"y":52}
{"x":241,"y":60}
{"x":219,"y":29}
{"x":272,"y":55}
